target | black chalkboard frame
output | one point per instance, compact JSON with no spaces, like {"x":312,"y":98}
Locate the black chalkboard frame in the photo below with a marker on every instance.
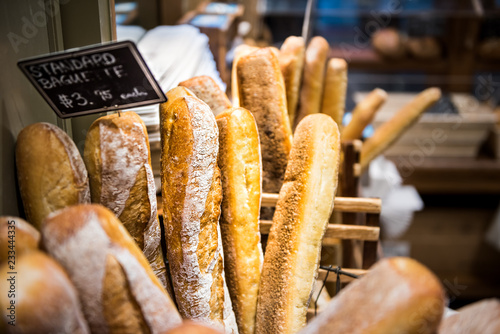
{"x":156,"y":91}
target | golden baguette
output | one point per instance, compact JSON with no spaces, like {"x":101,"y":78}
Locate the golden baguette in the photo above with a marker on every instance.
{"x":397,"y":295}
{"x":241,"y":168}
{"x":304,"y":206}
{"x":262,"y":92}
{"x":363,"y":114}
{"x":334,"y":94}
{"x":206,"y":89}
{"x":291,"y":58}
{"x":390,"y":131}
{"x":311,"y":92}
{"x":239,"y":51}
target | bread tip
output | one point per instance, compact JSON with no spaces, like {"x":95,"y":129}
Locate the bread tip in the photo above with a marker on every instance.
{"x":338,"y":64}
{"x":380,"y":92}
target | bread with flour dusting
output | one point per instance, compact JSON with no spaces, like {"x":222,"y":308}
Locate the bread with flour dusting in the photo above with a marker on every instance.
{"x":118,"y":290}
{"x":303,"y":209}
{"x":50,"y":171}
{"x":118,"y":161}
{"x":206,"y":89}
{"x":191,"y":195}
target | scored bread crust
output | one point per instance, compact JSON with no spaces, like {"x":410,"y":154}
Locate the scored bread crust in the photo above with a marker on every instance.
{"x":206,"y":89}
{"x":23,"y":236}
{"x":334,"y":94}
{"x":311,"y":92}
{"x":391,"y":130}
{"x":363,"y":114}
{"x":291,"y":58}
{"x":82,"y":239}
{"x":302,"y":212}
{"x":118,"y":160}
{"x":398,"y":295}
{"x":262,"y":92}
{"x":191,"y":193}
{"x":241,"y":169}
{"x":45,"y":300}
{"x":50,"y":171}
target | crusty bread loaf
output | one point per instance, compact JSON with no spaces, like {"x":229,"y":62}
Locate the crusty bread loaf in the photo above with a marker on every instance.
{"x":118,"y":290}
{"x":45,"y":300}
{"x":262,"y":92}
{"x":427,"y":47}
{"x":304,"y":206}
{"x":482,"y":317}
{"x":241,"y":169}
{"x":50,"y":171}
{"x":291,"y":58}
{"x":311,"y":92}
{"x":390,"y":131}
{"x":363,"y":114}
{"x":191,"y":194}
{"x":21,"y":236}
{"x":334,"y":94}
{"x":398,"y":295}
{"x":389,"y":43}
{"x":240,"y":51}
{"x":206,"y":89}
{"x":118,"y":161}
{"x":190,"y":327}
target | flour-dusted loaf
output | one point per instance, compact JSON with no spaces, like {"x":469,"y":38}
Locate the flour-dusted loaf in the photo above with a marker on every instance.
{"x":391,"y":130}
{"x":311,"y":92}
{"x":206,"y":89}
{"x":191,"y":194}
{"x":240,"y":51}
{"x":398,"y":295}
{"x":262,"y":92}
{"x":118,"y":161}
{"x":45,"y":300}
{"x":482,"y":317}
{"x":118,"y":289}
{"x":302,"y":212}
{"x":363,"y":114}
{"x":50,"y":171}
{"x":16,"y":236}
{"x":291,"y":58}
{"x":334,"y":94}
{"x":241,"y":171}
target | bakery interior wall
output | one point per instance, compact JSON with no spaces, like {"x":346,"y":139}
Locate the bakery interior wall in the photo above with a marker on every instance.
{"x":31,"y":28}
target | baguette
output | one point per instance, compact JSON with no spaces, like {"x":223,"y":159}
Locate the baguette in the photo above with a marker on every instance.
{"x":45,"y":300}
{"x":398,"y":295}
{"x":304,"y":206}
{"x":207,"y":90}
{"x":334,"y":94}
{"x":311,"y":92}
{"x":391,"y":130}
{"x":118,"y":161}
{"x":240,"y":164}
{"x":482,"y":317}
{"x":191,"y":193}
{"x":19,"y":235}
{"x":291,"y":58}
{"x":50,"y":171}
{"x":363,"y":114}
{"x":189,"y":327}
{"x":239,"y":51}
{"x":118,"y":290}
{"x":262,"y":92}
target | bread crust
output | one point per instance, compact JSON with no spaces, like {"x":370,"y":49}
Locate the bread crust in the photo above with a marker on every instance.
{"x":50,"y":171}
{"x":398,"y":295}
{"x":262,"y":92}
{"x":391,"y":130}
{"x":482,"y":317}
{"x":45,"y":299}
{"x":291,"y":58}
{"x":206,"y":89}
{"x":334,"y":94}
{"x":191,"y":193}
{"x":311,"y":93}
{"x":304,"y":206}
{"x":82,"y":239}
{"x":118,"y":160}
{"x":239,"y":51}
{"x":25,"y":237}
{"x":241,"y":175}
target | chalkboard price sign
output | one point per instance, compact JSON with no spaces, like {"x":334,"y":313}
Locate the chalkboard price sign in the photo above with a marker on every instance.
{"x":94,"y":79}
